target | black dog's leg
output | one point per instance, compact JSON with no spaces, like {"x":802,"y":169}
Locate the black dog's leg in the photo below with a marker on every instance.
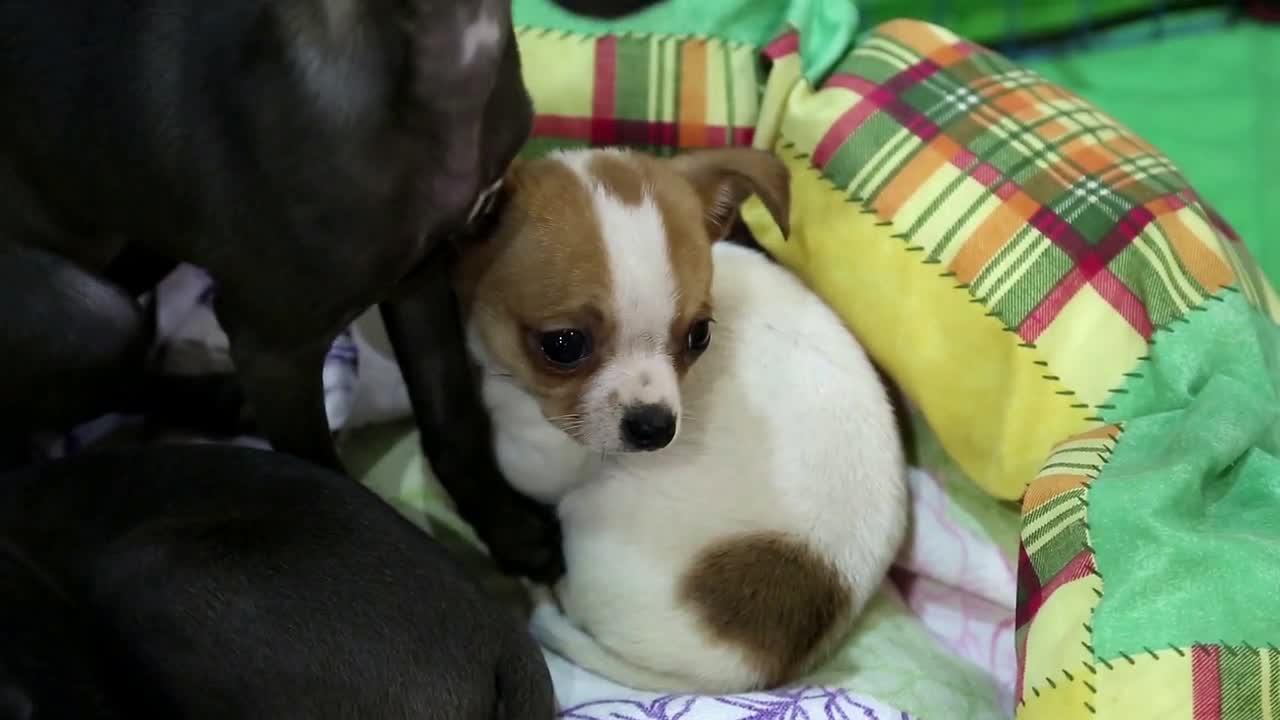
{"x":285,"y":394}
{"x":425,"y":330}
{"x":74,"y":345}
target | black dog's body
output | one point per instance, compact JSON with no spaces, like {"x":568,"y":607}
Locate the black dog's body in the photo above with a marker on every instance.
{"x":313,"y":155}
{"x":220,"y":582}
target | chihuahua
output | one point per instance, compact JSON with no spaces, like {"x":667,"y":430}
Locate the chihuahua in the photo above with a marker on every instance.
{"x":728,"y":506}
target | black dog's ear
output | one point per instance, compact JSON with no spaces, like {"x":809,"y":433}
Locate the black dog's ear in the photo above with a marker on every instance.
{"x":605,"y":9}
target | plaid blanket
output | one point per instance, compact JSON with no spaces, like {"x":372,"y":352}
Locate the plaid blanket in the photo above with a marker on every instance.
{"x":962,"y":212}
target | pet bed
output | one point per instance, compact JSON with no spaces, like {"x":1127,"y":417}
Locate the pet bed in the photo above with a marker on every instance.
{"x":1115,"y":339}
{"x":935,"y":642}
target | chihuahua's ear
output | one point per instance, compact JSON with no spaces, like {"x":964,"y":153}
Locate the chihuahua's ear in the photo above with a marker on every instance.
{"x":725,"y":178}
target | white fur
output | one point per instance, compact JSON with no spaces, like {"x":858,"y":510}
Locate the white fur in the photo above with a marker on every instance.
{"x":481,"y":35}
{"x":644,"y":305}
{"x":788,"y":429}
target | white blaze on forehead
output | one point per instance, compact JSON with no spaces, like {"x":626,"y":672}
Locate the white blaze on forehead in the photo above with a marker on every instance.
{"x":635,"y":242}
{"x":643,"y":284}
{"x":481,"y":34}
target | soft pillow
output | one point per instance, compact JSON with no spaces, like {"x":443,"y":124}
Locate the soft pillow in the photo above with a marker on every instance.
{"x":1043,"y":284}
{"x":1003,"y":248}
{"x":684,"y":74}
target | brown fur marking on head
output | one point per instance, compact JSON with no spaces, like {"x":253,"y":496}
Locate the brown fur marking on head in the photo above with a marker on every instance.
{"x":724,"y":178}
{"x":620,"y":175}
{"x":770,"y":595}
{"x":547,"y":266}
{"x":548,"y":206}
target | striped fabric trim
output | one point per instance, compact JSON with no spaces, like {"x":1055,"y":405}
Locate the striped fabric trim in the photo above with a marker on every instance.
{"x":1235,"y":682}
{"x":1054,"y":547}
{"x":656,"y":93}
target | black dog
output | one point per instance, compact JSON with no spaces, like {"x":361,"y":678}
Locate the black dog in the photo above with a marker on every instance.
{"x":312,"y":155}
{"x":221,"y":582}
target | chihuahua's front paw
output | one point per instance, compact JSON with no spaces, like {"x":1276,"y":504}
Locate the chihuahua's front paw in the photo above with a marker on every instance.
{"x":523,"y":536}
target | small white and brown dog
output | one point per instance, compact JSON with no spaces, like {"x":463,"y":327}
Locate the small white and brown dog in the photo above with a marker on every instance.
{"x":736,"y":556}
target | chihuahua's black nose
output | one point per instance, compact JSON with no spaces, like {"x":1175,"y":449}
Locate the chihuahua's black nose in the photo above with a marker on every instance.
{"x":648,"y":427}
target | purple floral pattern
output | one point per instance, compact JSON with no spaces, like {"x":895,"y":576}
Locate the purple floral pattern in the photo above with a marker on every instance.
{"x":798,"y":704}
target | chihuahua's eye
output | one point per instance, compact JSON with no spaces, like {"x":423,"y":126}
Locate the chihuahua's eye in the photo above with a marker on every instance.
{"x":566,"y":348}
{"x":699,"y":336}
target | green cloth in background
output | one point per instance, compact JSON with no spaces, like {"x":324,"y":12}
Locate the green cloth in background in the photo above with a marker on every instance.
{"x":826,"y":26}
{"x":987,"y":21}
{"x":1183,"y":517}
{"x":1211,"y":102}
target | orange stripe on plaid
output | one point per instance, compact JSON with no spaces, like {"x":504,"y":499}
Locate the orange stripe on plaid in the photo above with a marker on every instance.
{"x":693,"y":95}
{"x":949,"y":54}
{"x":992,"y":236}
{"x":1014,"y":102}
{"x":1086,"y":153}
{"x":914,"y":174}
{"x":1048,"y":487}
{"x":1201,"y":263}
{"x":923,"y":38}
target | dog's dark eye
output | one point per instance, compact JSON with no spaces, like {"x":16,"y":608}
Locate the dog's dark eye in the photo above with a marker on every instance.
{"x":699,"y":336}
{"x":566,"y":348}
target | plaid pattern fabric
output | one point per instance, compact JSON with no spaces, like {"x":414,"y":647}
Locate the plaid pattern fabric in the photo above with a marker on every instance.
{"x":1235,"y":683}
{"x":656,"y":93}
{"x":957,"y":209}
{"x":1055,"y":557}
{"x":1048,"y":201}
{"x":1057,"y":221}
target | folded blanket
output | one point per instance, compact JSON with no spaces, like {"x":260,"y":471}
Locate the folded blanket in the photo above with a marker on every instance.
{"x":935,"y":642}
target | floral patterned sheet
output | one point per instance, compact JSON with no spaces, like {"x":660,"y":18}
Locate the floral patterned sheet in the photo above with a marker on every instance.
{"x":936,"y":642}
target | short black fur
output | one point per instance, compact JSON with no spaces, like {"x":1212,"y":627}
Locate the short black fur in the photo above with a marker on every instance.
{"x":226,"y":583}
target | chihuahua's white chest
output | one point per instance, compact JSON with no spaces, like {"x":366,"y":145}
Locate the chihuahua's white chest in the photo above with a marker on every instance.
{"x":535,"y":456}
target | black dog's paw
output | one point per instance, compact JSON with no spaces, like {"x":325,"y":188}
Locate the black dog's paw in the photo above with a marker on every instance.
{"x":523,"y":536}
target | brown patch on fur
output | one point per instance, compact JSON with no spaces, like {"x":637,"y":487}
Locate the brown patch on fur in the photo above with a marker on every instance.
{"x":549,"y":224}
{"x":620,"y":176}
{"x":699,"y":197}
{"x":770,"y":595}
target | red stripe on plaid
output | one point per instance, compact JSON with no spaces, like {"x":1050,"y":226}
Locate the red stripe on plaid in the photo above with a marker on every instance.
{"x":1028,"y":584}
{"x":886,"y":97}
{"x":1129,"y":305}
{"x":604,"y":93}
{"x":1206,"y":683}
{"x":1040,"y":317}
{"x":1080,"y":566}
{"x":617,"y":131}
{"x":1091,"y":266}
{"x":785,"y":44}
